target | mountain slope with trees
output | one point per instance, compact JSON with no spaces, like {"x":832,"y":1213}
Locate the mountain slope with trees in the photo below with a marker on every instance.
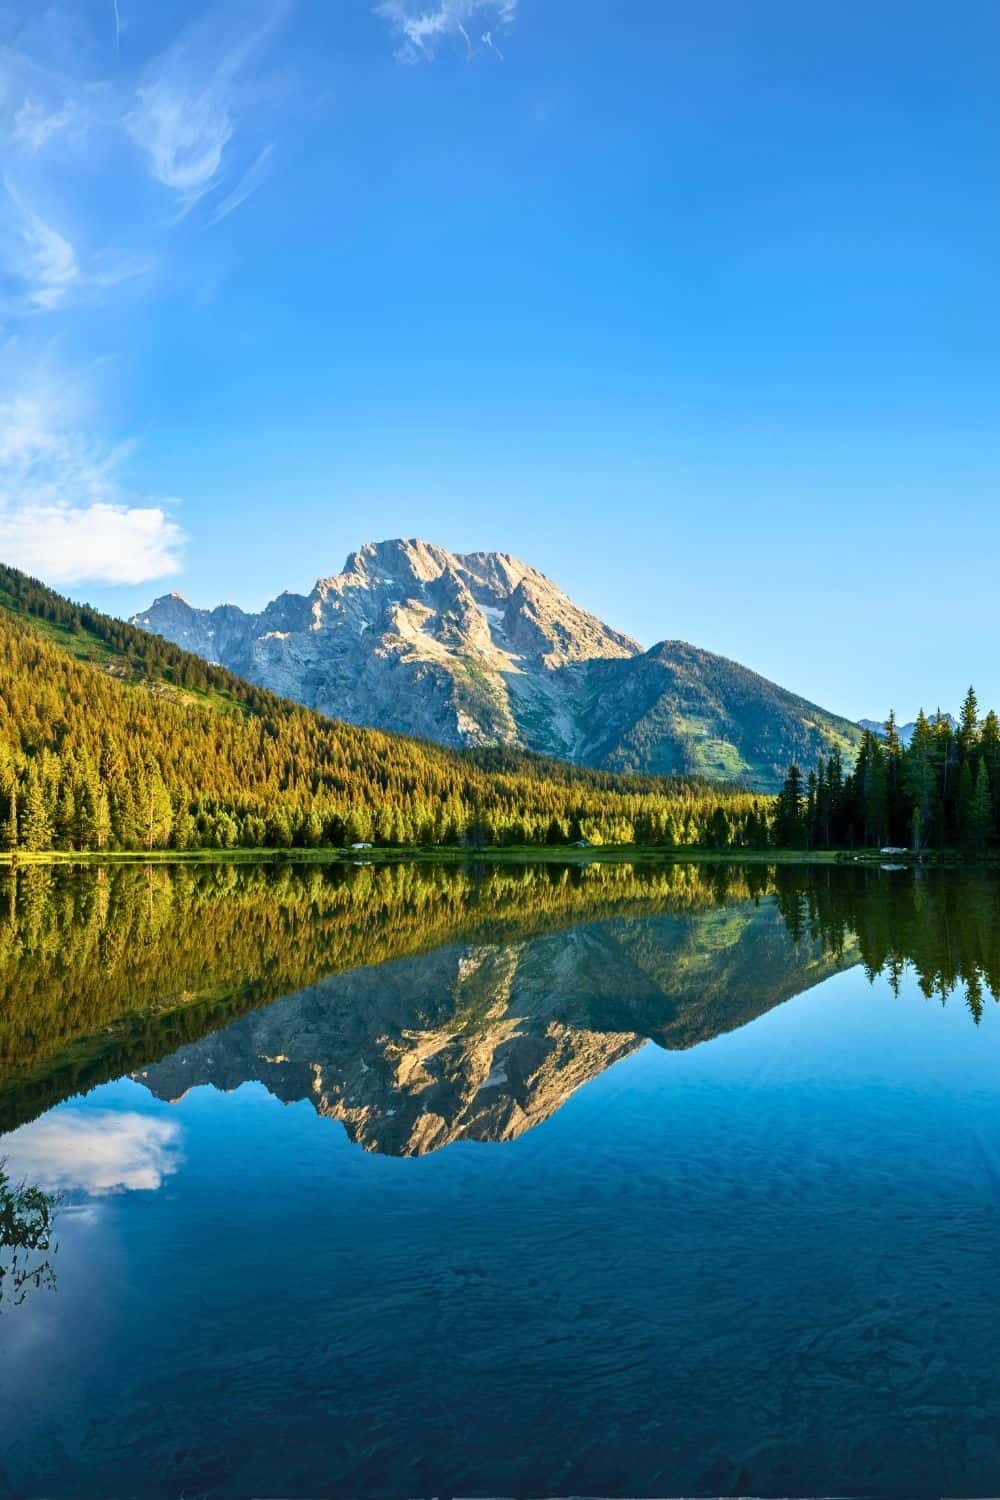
{"x":111,"y":738}
{"x":691,"y":712}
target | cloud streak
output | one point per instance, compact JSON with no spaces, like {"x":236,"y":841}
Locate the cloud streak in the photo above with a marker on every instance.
{"x":248,"y":184}
{"x":421,"y":31}
{"x":184,"y":135}
{"x":87,"y":157}
{"x":40,"y":270}
{"x":40,"y":263}
{"x":35,"y":125}
{"x":186,"y":109}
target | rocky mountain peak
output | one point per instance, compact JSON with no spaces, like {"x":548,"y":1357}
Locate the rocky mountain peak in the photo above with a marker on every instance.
{"x":402,"y":560}
{"x":480,"y":648}
{"x":171,"y":601}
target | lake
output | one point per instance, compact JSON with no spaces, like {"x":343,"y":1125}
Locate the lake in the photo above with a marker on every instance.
{"x":396,"y":1181}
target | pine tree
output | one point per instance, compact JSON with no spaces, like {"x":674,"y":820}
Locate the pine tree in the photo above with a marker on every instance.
{"x":34,"y":821}
{"x":157,"y":813}
{"x":869,"y":789}
{"x":101,"y":820}
{"x":837,"y":832}
{"x":968,"y":725}
{"x":918,"y":781}
{"x":877,"y":799}
{"x":980,"y":821}
{"x":810,"y":812}
{"x":989,"y":747}
{"x":893,"y":744}
{"x":966,"y":792}
{"x":893,"y":755}
{"x":66,"y":830}
{"x":788,"y":830}
{"x":8,"y":829}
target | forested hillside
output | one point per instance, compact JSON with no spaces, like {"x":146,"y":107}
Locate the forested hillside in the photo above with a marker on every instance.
{"x":111,"y":738}
{"x":678,"y":709}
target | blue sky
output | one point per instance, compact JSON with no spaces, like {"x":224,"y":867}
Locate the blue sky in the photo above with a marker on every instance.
{"x":695,"y":307}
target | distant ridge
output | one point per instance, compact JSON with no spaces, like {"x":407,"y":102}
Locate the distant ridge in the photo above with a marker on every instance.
{"x":905,"y":731}
{"x":477,"y":649}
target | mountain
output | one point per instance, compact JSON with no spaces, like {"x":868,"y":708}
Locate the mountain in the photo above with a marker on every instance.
{"x":905,"y":731}
{"x":113,"y":738}
{"x":480,"y":649}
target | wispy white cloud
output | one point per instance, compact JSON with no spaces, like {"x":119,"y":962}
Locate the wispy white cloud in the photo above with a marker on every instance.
{"x":96,"y":1152}
{"x":38,"y":263}
{"x":246,"y":187}
{"x":40,"y":268}
{"x":186,"y":108}
{"x":66,"y":514}
{"x":420,"y":30}
{"x":78,"y":219}
{"x":35,"y":123}
{"x":184,"y":135}
{"x":192,"y":112}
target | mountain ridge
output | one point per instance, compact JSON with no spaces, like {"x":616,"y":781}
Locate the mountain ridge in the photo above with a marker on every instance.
{"x":480,"y":649}
{"x":905,"y":731}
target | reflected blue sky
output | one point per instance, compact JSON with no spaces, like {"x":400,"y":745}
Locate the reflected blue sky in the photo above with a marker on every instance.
{"x":763,"y":1265}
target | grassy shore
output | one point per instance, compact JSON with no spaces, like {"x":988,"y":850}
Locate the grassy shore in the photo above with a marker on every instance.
{"x":519,"y":854}
{"x":514,"y":854}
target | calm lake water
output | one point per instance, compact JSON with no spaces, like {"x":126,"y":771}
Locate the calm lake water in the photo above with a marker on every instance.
{"x":398,"y":1182}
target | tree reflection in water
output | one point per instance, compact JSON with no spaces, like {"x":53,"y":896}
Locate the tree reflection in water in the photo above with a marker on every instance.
{"x":27,"y":1217}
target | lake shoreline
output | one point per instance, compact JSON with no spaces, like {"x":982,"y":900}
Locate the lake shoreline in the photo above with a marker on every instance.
{"x":516,"y":854}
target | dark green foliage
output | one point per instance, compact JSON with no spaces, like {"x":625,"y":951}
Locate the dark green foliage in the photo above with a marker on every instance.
{"x":789,"y":828}
{"x":946,"y":924}
{"x":939,"y":792}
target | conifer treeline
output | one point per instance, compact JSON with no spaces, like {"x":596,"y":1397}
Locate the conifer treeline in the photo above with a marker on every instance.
{"x":111,"y":738}
{"x":941,"y":791}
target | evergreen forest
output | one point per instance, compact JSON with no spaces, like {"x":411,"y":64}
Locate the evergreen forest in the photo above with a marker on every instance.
{"x":940,"y":791}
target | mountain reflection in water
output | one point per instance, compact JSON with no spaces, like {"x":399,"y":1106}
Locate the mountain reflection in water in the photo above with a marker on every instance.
{"x":481,"y":1041}
{"x":420,"y":1005}
{"x":755,"y":1254}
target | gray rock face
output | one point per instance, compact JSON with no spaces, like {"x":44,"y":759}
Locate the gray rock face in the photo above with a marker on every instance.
{"x":467,"y":650}
{"x":480,"y":649}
